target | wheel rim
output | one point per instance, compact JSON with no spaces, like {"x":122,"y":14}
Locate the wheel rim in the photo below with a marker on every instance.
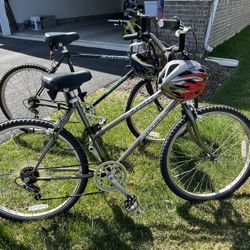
{"x":19,"y":87}
{"x":192,"y":172}
{"x":20,"y":150}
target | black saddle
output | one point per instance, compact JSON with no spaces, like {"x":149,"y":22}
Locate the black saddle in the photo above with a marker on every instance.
{"x":59,"y":82}
{"x":55,"y":38}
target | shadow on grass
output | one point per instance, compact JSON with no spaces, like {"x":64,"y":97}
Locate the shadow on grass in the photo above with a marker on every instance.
{"x":120,"y":233}
{"x":7,"y":242}
{"x":225,"y":223}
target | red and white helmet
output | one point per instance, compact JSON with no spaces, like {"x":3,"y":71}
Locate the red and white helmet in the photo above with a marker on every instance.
{"x":183,"y":79}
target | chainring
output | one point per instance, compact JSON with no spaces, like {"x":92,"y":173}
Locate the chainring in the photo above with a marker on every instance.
{"x":101,"y":175}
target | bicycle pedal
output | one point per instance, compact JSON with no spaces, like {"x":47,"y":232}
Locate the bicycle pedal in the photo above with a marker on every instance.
{"x":132,"y":204}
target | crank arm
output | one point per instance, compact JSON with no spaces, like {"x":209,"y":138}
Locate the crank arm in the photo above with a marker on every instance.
{"x":118,"y":185}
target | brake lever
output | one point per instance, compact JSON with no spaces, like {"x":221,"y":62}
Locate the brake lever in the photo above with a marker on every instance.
{"x":182,"y":30}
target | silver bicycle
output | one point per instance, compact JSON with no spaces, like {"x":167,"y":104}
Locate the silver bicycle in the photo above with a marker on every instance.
{"x":44,"y":168}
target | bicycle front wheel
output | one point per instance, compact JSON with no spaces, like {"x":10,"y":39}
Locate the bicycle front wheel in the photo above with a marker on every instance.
{"x":19,"y":93}
{"x":190,"y":173}
{"x":48,"y":190}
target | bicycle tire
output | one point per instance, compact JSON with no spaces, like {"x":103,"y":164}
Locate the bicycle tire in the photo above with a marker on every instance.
{"x":189,"y":173}
{"x":20,"y":151}
{"x":138,"y":122}
{"x":18,"y":86}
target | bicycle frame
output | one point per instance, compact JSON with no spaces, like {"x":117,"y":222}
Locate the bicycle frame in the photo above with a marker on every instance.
{"x":76,"y":105}
{"x":66,"y":56}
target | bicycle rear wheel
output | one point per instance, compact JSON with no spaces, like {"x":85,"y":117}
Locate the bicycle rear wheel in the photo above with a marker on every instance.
{"x":190,"y":173}
{"x":25,"y":196}
{"x":18,"y":89}
{"x":138,"y":122}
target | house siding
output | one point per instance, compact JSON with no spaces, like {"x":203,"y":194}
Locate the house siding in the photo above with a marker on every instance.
{"x":231,"y":17}
{"x":192,"y":13}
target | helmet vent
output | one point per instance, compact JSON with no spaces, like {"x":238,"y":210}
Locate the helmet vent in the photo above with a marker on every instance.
{"x":185,"y":73}
{"x":171,"y":68}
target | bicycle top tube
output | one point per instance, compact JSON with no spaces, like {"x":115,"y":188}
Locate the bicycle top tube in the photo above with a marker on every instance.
{"x":94,"y":135}
{"x":100,"y":56}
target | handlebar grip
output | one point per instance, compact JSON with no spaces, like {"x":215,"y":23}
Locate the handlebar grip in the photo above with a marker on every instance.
{"x":121,"y":22}
{"x":130,"y":36}
{"x":171,"y":23}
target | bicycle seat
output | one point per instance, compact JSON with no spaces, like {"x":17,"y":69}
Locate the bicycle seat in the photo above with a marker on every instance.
{"x":61,"y":37}
{"x":71,"y":81}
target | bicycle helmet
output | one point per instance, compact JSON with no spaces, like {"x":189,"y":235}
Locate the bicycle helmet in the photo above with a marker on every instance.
{"x":143,"y":66}
{"x":183,"y":79}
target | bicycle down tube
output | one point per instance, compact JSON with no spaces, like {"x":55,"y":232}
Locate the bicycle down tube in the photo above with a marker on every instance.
{"x":76,"y":105}
{"x":158,"y":119}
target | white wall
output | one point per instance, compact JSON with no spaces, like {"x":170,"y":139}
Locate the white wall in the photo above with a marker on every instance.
{"x":23,"y":9}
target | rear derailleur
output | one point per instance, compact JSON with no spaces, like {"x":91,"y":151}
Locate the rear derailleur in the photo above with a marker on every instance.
{"x":29,"y":177}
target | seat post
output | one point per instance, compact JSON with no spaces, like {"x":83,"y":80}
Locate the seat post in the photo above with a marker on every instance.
{"x":73,"y":97}
{"x":74,"y":100}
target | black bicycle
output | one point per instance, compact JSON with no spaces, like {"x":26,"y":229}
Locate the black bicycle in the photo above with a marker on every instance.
{"x":44,"y":169}
{"x":33,"y":100}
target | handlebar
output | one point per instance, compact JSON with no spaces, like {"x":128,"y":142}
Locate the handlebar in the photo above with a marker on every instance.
{"x":133,"y":36}
{"x":158,"y":43}
{"x":172,"y":24}
{"x":123,"y":22}
{"x":182,"y":40}
{"x":146,"y":36}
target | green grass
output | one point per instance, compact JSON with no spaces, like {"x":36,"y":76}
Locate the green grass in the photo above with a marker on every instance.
{"x":236,"y":91}
{"x":167,"y":222}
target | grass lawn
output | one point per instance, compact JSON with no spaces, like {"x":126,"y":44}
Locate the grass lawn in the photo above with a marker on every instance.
{"x":236,"y":91}
{"x":167,"y":222}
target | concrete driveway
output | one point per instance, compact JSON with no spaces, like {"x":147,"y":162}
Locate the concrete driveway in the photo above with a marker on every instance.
{"x":96,"y":33}
{"x":14,"y":52}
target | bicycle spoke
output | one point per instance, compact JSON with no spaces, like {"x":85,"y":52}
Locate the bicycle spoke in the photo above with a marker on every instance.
{"x":61,"y":162}
{"x":197,"y":177}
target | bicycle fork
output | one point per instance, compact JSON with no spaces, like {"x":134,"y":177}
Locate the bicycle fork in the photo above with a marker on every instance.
{"x":194,"y":131}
